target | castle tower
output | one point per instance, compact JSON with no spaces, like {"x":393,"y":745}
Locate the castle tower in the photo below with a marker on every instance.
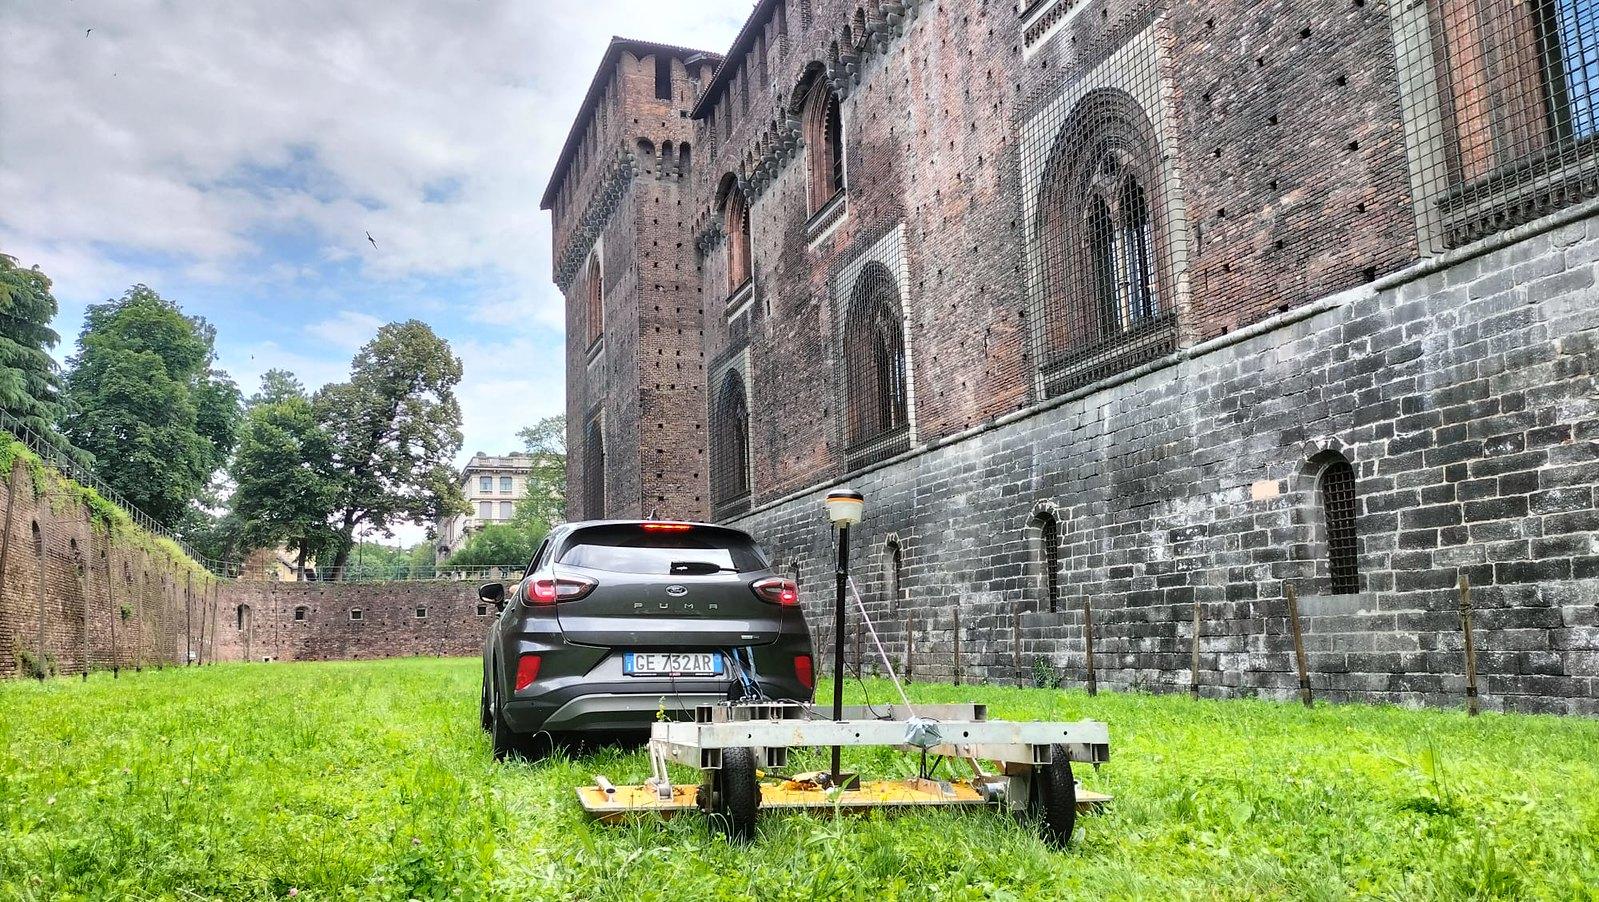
{"x":624,"y":259}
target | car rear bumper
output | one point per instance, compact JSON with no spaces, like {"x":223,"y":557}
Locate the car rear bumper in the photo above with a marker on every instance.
{"x":627,"y":706}
{"x":624,"y":713}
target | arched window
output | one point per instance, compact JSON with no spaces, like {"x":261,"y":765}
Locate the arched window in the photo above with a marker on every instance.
{"x":1336,"y":484}
{"x":1049,"y":539}
{"x":876,"y":380}
{"x":730,"y":449}
{"x":1044,"y":537}
{"x":646,"y":155}
{"x":593,"y":471}
{"x":736,"y":223}
{"x":241,"y":617}
{"x":893,"y":574}
{"x":596,"y":299}
{"x":823,"y":129}
{"x":1106,"y":285}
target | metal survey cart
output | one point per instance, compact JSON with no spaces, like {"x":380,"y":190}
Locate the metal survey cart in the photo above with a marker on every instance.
{"x":734,"y":744}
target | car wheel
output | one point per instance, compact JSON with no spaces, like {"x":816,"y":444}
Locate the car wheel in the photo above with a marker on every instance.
{"x":736,"y":795}
{"x":1053,"y":798}
{"x":485,"y":719}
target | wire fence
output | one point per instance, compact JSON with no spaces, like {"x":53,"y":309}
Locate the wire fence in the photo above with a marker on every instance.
{"x":62,"y":460}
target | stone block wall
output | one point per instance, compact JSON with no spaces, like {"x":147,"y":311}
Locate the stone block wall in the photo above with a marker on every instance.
{"x":1464,"y":393}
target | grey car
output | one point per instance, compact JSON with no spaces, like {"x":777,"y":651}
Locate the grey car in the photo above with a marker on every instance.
{"x":619,"y":623}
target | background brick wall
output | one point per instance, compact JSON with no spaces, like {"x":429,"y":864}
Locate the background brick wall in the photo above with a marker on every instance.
{"x":389,"y":626}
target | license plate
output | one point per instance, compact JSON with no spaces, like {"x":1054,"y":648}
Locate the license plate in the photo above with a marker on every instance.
{"x":698,"y":663}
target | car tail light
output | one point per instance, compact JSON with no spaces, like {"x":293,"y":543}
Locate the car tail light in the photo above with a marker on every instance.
{"x":527,"y":670}
{"x":564,"y":588}
{"x":803,"y":672}
{"x":776,"y":590}
{"x":667,"y":527}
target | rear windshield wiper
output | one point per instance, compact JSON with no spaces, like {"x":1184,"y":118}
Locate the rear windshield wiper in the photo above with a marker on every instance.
{"x":698,"y":568}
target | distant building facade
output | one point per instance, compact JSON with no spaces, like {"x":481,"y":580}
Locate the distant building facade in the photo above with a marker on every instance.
{"x":493,"y":485}
{"x":1125,"y":315}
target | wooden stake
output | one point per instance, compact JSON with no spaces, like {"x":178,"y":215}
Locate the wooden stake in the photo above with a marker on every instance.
{"x":910,"y":647}
{"x":859,"y":664}
{"x":1472,"y":705}
{"x":1088,"y":645}
{"x":1193,"y":669}
{"x":188,"y":620}
{"x":957,"y":645}
{"x":1016,"y":641}
{"x":1299,"y":644}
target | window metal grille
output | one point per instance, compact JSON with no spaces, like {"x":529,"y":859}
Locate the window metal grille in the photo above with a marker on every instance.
{"x":1502,"y":107}
{"x":1102,"y":293}
{"x":593,"y":471}
{"x":876,"y":377}
{"x":730,"y":449}
{"x":1338,"y":505}
{"x":894,"y":575}
{"x":1049,"y":539}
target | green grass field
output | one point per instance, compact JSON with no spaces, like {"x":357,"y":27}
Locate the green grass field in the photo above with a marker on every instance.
{"x":371,"y":780}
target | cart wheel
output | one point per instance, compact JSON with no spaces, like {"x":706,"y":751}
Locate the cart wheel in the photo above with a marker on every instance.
{"x":1053,"y":798}
{"x":736,"y":795}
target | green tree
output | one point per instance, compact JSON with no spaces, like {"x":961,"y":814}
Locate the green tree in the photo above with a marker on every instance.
{"x":508,"y":543}
{"x":546,"y":482}
{"x":30,"y":386}
{"x":394,"y":427}
{"x":144,"y":399}
{"x":285,"y":487}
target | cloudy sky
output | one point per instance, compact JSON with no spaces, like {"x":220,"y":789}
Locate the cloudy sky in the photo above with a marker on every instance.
{"x":234,"y":155}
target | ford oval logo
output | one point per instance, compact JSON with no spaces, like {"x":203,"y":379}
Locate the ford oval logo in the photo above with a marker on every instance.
{"x":677,"y":591}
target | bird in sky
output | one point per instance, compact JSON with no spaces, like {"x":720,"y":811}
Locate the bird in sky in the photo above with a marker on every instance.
{"x":373,"y":240}
{"x":86,"y":31}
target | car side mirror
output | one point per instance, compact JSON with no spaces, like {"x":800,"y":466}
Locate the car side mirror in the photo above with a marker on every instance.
{"x":493,"y":593}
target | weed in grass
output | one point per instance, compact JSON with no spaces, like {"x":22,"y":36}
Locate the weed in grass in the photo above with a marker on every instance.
{"x":371,"y":780}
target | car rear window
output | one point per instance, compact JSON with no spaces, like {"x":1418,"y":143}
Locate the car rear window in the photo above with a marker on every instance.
{"x":664,"y":551}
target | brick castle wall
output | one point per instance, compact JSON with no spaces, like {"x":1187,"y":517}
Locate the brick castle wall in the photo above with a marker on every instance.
{"x":74,"y":597}
{"x":80,"y":599}
{"x":1466,"y":397}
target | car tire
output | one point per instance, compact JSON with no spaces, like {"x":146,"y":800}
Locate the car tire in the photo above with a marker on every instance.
{"x":505,"y":742}
{"x":736,"y":795}
{"x":485,"y":719}
{"x":1053,"y":798}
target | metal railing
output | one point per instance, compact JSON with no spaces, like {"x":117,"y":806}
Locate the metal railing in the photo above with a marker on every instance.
{"x":58,"y":458}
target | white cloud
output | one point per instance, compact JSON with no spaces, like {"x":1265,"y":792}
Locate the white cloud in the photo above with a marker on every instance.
{"x":347,"y":330}
{"x":190,"y":142}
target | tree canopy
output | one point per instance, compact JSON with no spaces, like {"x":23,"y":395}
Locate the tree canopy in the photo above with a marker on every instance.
{"x":546,"y":482}
{"x":394,"y":428}
{"x":144,"y":399}
{"x":283,"y":470}
{"x":30,"y":384}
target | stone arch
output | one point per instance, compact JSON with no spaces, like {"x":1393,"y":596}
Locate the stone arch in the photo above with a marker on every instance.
{"x":730,"y":448}
{"x":876,"y":371}
{"x":822,"y":127}
{"x":1108,"y":279}
{"x":1043,"y":533}
{"x":893,"y":564}
{"x":1331,"y":478}
{"x":734,"y":210}
{"x":646,"y":154}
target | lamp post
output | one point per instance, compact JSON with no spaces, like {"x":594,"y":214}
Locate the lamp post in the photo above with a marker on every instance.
{"x":844,"y":508}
